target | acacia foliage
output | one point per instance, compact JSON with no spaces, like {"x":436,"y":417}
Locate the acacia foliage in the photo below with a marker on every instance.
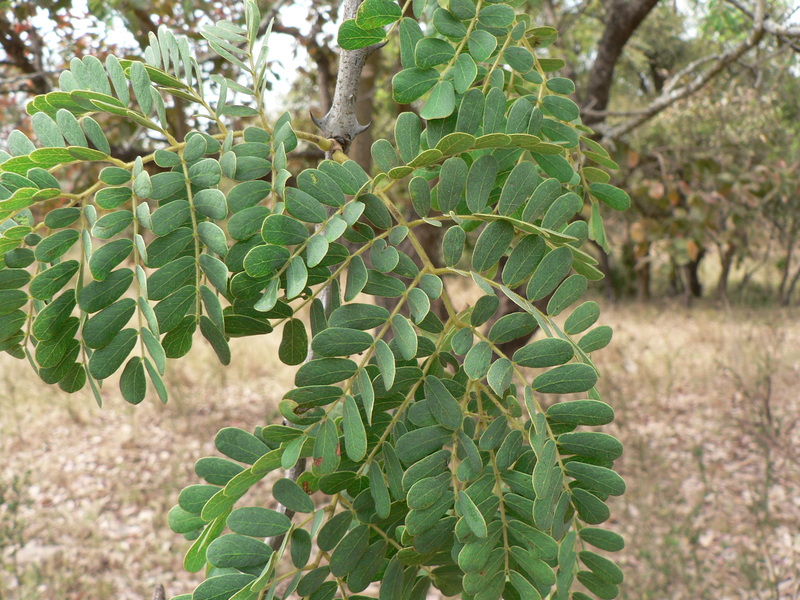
{"x":435,"y":460}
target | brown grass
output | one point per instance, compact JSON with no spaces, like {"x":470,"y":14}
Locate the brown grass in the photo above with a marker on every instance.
{"x":706,"y":406}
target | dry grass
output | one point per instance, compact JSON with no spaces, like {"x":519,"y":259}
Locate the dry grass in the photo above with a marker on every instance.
{"x":706,"y":407}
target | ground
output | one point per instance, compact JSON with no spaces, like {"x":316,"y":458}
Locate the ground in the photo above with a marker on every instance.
{"x":706,"y":404}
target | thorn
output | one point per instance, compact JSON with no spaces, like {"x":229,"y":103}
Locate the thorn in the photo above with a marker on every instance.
{"x":370,"y":49}
{"x":318,"y":122}
{"x":361,"y":128}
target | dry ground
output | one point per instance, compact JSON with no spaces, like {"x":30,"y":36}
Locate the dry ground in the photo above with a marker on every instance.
{"x":706,"y":405}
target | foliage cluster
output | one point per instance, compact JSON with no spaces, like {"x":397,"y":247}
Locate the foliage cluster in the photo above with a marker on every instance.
{"x":435,"y":458}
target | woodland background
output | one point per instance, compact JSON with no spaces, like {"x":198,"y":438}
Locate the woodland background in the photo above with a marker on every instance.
{"x":700,"y":105}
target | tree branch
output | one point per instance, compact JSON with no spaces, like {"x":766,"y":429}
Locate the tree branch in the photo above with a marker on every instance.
{"x":17,"y":52}
{"x":340,"y":123}
{"x":622,"y":19}
{"x":673,"y":94}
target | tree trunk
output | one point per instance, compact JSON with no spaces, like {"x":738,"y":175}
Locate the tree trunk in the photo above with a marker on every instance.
{"x":362,"y":145}
{"x":622,"y":19}
{"x":643,"y":270}
{"x":693,"y":286}
{"x":726,"y":262}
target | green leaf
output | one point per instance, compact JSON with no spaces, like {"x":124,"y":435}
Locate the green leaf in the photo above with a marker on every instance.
{"x":377,"y":13}
{"x":443,"y":406}
{"x":602,"y":538}
{"x":567,"y":293}
{"x":420,"y":443}
{"x":283,"y":230}
{"x":481,"y":45}
{"x":452,"y":180}
{"x":321,"y":186}
{"x":518,"y":187}
{"x":355,"y":437}
{"x":596,"y":479}
{"x":471,"y":514}
{"x":107,"y":360}
{"x":440,"y":104}
{"x":582,"y":318}
{"x":294,"y":343}
{"x":132,"y":383}
{"x":56,"y":245}
{"x":325,"y":371}
{"x":519,"y":59}
{"x":405,"y":337}
{"x":292,"y":496}
{"x":359,"y":316}
{"x":484,"y":310}
{"x":213,"y":237}
{"x":353,"y":37}
{"x":265,"y":260}
{"x":301,"y":547}
{"x":407,"y":131}
{"x":109,"y":256}
{"x":246,"y":194}
{"x":304,"y":206}
{"x":240,"y":445}
{"x":170,"y":216}
{"x":222,"y":587}
{"x":296,"y":277}
{"x":523,"y":260}
{"x":349,"y":550}
{"x":234,"y":550}
{"x":112,"y":197}
{"x":592,"y":444}
{"x":97,"y":295}
{"x":386,"y":365}
{"x":492,"y":244}
{"x":453,"y":245}
{"x":541,"y":200}
{"x":496,"y":15}
{"x":448,"y":25}
{"x":566,"y":379}
{"x":464,"y":72}
{"x":547,"y":352}
{"x":140,"y":82}
{"x":597,"y":338}
{"x":476,"y":363}
{"x":551,"y":271}
{"x":500,"y":374}
{"x":480,"y":181}
{"x":419,"y":303}
{"x":431,"y":52}
{"x":581,"y":412}
{"x":610,"y":195}
{"x":340,"y":341}
{"x":590,"y":508}
{"x":326,"y":448}
{"x":427,"y":491}
{"x":258,"y":522}
{"x":555,"y":165}
{"x":379,"y":490}
{"x":561,"y":211}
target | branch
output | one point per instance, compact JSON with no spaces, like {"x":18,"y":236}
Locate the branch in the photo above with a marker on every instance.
{"x":340,"y":123}
{"x":671,"y":94}
{"x":622,"y":19}
{"x":17,"y":52}
{"x":784,"y":34}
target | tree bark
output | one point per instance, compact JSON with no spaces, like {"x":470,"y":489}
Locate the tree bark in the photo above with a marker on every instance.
{"x":622,"y":19}
{"x":341,"y":123}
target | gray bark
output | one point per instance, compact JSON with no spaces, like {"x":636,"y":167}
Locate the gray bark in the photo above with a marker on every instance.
{"x":340,"y":123}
